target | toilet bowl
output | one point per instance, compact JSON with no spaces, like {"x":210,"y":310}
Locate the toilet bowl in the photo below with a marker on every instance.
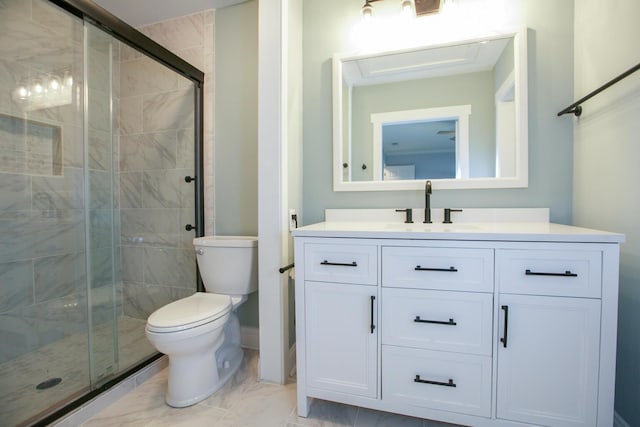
{"x":201,"y":333}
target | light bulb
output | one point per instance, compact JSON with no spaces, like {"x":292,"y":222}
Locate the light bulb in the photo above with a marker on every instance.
{"x":21,"y":93}
{"x":68,"y":80}
{"x":367,"y":10}
{"x":38,"y":88}
{"x":406,"y":6}
{"x":54,"y":84}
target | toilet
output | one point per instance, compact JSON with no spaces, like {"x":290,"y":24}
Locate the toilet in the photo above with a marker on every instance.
{"x":201,"y":333}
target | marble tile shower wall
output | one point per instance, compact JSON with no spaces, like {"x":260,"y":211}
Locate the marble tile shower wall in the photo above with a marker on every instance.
{"x":157,"y":152}
{"x":42,"y":219}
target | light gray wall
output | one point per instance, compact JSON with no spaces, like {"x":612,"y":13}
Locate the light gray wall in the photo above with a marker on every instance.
{"x":606,"y":172}
{"x":236,"y":120}
{"x":327,"y":30}
{"x":236,"y":129}
{"x":504,"y":65}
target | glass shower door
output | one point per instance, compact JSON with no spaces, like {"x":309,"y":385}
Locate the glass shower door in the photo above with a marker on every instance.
{"x":96,"y":140}
{"x":43,"y":293}
{"x":140,"y":148}
{"x":154,"y":110}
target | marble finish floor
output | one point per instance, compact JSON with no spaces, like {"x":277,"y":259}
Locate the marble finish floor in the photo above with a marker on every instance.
{"x":67,"y":359}
{"x":243,"y":402}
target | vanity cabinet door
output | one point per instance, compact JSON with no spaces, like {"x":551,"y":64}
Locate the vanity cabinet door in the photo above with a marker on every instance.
{"x":548,"y":359}
{"x":341,"y":337}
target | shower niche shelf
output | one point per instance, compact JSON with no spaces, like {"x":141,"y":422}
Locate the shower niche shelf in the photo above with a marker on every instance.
{"x":30,"y":147}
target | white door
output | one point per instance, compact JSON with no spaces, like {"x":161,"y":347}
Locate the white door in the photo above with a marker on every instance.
{"x":548,"y":357}
{"x":341,"y":337}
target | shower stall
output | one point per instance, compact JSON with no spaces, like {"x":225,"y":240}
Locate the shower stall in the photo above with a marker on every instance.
{"x":100,"y":198}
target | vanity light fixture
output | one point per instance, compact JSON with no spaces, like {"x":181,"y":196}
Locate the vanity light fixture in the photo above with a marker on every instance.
{"x":44,"y":90}
{"x":406,"y":7}
{"x":427,"y":7}
{"x":367,"y":9}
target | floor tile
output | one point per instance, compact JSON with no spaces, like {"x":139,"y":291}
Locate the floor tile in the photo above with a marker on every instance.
{"x":371,"y":418}
{"x":242,"y":402}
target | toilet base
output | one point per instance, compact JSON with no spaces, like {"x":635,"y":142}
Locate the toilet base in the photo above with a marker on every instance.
{"x":224,"y":374}
{"x":195,"y":378}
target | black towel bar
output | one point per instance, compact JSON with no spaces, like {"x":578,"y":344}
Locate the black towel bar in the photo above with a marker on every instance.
{"x":576,"y":108}
{"x":285,"y":268}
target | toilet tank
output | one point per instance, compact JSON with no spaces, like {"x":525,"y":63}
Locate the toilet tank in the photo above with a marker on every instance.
{"x":228,"y":264}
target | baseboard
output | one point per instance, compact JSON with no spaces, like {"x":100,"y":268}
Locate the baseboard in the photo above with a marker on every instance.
{"x":618,"y":421}
{"x":250,"y":337}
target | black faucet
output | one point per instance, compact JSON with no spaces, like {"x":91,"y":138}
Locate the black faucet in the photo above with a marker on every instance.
{"x":409,"y":219}
{"x":427,"y":203}
{"x":447,"y":215}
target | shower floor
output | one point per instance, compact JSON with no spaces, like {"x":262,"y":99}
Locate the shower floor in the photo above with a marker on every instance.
{"x":67,"y":359}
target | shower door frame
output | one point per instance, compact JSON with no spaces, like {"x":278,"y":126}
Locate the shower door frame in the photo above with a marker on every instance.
{"x":110,"y":24}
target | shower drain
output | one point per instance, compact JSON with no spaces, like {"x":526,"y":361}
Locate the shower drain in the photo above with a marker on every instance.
{"x":51,"y":382}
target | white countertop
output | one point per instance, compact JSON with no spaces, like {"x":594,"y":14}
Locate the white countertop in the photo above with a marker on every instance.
{"x":480,"y":231}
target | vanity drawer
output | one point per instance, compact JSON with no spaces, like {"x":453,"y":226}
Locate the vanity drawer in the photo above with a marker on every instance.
{"x":459,"y":269}
{"x":341,"y":263}
{"x":437,"y":320}
{"x":437,"y":380}
{"x":571,"y":273}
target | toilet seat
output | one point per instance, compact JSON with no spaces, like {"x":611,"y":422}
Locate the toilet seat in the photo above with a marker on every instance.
{"x":190,"y":312}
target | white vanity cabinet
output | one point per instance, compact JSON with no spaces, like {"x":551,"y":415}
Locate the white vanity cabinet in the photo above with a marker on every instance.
{"x":549,"y":323}
{"x":341,"y":318}
{"x":502,"y":328}
{"x":342,"y":338}
{"x":548,"y":364}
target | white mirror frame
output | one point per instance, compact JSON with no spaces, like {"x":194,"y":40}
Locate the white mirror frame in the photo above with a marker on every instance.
{"x":519,"y":180}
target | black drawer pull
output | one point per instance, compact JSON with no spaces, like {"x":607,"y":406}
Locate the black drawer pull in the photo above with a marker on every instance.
{"x":450,"y":269}
{"x":353,"y":264}
{"x":450,"y":383}
{"x":565,"y":274}
{"x":437,"y":322}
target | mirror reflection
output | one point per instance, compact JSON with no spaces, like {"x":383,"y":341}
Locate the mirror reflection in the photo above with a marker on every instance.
{"x":450,"y":113}
{"x":419,"y":150}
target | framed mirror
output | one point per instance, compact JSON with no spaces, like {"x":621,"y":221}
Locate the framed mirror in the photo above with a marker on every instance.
{"x":453,"y":113}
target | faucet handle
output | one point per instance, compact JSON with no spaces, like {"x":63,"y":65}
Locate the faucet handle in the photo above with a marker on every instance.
{"x":409,"y":212}
{"x":447,"y":215}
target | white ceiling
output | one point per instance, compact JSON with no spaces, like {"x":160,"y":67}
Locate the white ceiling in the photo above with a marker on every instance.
{"x":141,"y":12}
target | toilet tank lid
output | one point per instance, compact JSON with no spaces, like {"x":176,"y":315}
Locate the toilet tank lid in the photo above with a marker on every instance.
{"x":226,"y":241}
